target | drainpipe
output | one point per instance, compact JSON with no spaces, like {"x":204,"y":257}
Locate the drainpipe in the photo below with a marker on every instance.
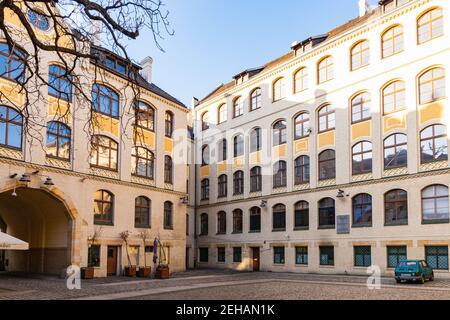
{"x":194,"y":128}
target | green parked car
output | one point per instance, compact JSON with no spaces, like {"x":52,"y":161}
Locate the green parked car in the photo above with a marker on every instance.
{"x":414,"y":270}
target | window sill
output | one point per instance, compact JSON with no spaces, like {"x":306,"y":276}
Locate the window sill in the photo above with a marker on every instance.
{"x":143,"y":227}
{"x":362,"y":225}
{"x":393,"y":224}
{"x":327,"y":227}
{"x":301,"y":265}
{"x":237,"y":232}
{"x":301,"y":228}
{"x":168,"y":228}
{"x":254,"y":231}
{"x":437,"y":221}
{"x":279,"y":230}
{"x":221,"y":233}
{"x":100,"y":223}
{"x":327,"y":266}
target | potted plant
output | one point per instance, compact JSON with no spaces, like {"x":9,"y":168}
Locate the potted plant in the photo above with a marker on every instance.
{"x":144,"y":272}
{"x":162,"y":270}
{"x":88,"y":272}
{"x":130,"y":271}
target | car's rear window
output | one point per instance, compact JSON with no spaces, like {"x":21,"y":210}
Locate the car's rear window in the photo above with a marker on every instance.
{"x":407,"y":264}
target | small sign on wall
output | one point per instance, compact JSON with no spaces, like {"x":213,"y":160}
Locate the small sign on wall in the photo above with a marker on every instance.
{"x":343,"y":224}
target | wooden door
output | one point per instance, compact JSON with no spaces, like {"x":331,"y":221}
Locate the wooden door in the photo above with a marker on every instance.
{"x":187,"y":258}
{"x":112,"y":261}
{"x":256,"y":258}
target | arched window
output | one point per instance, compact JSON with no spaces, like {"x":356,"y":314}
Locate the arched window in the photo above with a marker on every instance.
{"x":58,"y":140}
{"x":238,"y":145}
{"x":103,"y":207}
{"x":142,"y":162}
{"x":361,"y":107}
{"x":255,"y":219}
{"x":59,"y":83}
{"x":12,"y":65}
{"x":11,"y":123}
{"x":205,"y":155}
{"x":222,"y":183}
{"x":302,"y":126}
{"x":396,"y":207}
{"x":362,"y":210}
{"x":145,"y":116}
{"x":255,"y":99}
{"x":168,"y":170}
{"x":142,"y":206}
{"x":435,"y":206}
{"x":222,"y":113}
{"x":432,"y":85}
{"x":362,"y":158}
{"x":394,"y":97}
{"x":278,"y":89}
{"x":433,"y":144}
{"x":104,"y":152}
{"x":392,"y":41}
{"x":38,"y":20}
{"x":430,"y":25}
{"x":279,"y":174}
{"x":326,"y":213}
{"x":327,"y":165}
{"x":205,"y":121}
{"x":325,"y":70}
{"x":169,"y":124}
{"x":222,"y":222}
{"x":204,"y":224}
{"x":301,"y":170}
{"x":238,"y":182}
{"x":360,"y":55}
{"x":237,"y":221}
{"x":222,"y":146}
{"x":238,"y":107}
{"x":204,"y":188}
{"x":326,"y":118}
{"x":301,"y":80}
{"x":301,"y":215}
{"x":105,"y":100}
{"x":255,"y":179}
{"x":279,"y":132}
{"x":279,"y":217}
{"x":255,"y":140}
{"x":395,"y":151}
{"x":168,"y":215}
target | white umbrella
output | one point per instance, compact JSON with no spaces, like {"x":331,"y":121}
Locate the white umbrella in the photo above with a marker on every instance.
{"x":8,"y":242}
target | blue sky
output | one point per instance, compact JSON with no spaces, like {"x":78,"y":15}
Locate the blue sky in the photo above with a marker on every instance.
{"x":215,"y":39}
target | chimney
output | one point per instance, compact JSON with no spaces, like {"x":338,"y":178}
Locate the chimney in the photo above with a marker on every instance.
{"x":96,"y":32}
{"x":147,"y":65}
{"x":194,"y":102}
{"x":364,"y":7}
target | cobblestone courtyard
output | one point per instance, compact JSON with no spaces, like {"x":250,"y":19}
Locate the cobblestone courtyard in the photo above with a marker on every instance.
{"x":221,"y":285}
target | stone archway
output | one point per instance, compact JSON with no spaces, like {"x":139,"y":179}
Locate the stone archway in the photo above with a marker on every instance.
{"x":47,"y":221}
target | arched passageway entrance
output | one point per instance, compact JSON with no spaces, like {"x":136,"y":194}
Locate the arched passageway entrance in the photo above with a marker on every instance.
{"x":42,"y":220}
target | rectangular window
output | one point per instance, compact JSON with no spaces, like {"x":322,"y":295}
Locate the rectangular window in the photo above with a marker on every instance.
{"x":363,"y":256}
{"x":237,"y":254}
{"x":301,"y":256}
{"x":221,"y":254}
{"x":437,"y":257}
{"x":204,"y":254}
{"x":395,"y":255}
{"x":94,"y":256}
{"x":278,"y":255}
{"x":326,"y":256}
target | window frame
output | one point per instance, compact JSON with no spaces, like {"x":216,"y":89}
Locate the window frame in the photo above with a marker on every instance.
{"x":364,"y":102}
{"x":238,"y":105}
{"x":301,"y":75}
{"x":301,"y":214}
{"x":238,"y":183}
{"x":221,"y":223}
{"x":113,"y":99}
{"x":278,"y":89}
{"x":279,"y":129}
{"x":322,"y":163}
{"x":95,"y":145}
{"x":328,"y":68}
{"x":222,"y":186}
{"x":433,"y":139}
{"x":433,"y":79}
{"x":255,"y":214}
{"x":255,"y":99}
{"x":397,"y":203}
{"x":146,"y":215}
{"x":168,"y":169}
{"x":395,"y":93}
{"x":238,"y":221}
{"x":304,"y":124}
{"x":149,"y":162}
{"x":430,"y":24}
{"x":278,"y":217}
{"x":58,"y":136}
{"x":435,"y":199}
{"x":363,"y":153}
{"x":395,"y":146}
{"x":325,"y":211}
{"x":255,"y":186}
{"x":393,"y":38}
{"x":204,"y":189}
{"x":280,"y":175}
{"x":360,"y":54}
{"x":330,"y":124}
{"x":168,"y":215}
{"x":366,"y":202}
{"x":302,"y":170}
{"x":59,"y":78}
{"x":108,"y":218}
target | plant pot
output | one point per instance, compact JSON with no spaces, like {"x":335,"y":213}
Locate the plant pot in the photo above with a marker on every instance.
{"x":130,"y":271}
{"x":162,"y":272}
{"x":87,"y":273}
{"x":144,"y":272}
